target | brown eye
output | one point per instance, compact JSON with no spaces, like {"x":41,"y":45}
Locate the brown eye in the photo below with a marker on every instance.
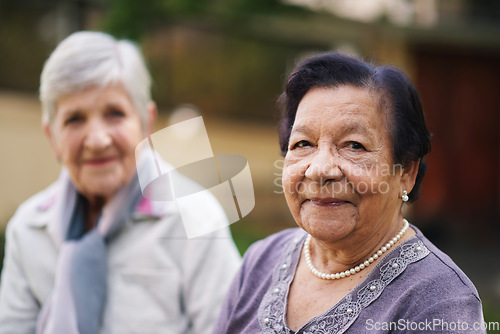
{"x":302,"y":143}
{"x":116,"y":113}
{"x":356,"y":146}
{"x":74,"y":119}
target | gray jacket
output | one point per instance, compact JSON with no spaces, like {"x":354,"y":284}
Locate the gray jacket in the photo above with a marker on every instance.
{"x":158,"y":280}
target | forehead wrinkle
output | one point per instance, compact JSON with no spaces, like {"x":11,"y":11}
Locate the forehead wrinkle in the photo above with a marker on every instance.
{"x":350,"y":113}
{"x":68,"y":110}
{"x":350,"y":127}
{"x":300,"y":128}
{"x":356,"y":127}
{"x":357,"y":116}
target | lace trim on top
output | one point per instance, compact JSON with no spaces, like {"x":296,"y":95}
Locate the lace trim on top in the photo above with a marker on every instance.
{"x":271,"y":313}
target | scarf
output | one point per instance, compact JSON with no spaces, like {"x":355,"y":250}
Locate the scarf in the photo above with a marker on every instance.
{"x":76,"y":303}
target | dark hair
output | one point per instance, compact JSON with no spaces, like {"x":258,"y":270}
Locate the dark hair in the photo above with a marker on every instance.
{"x":408,"y":132}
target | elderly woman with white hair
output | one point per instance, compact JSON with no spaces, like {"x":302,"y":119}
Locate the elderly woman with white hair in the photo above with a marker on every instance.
{"x":91,"y":254}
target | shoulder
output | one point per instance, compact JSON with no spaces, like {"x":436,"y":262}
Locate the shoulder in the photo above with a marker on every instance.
{"x":198,"y":208}
{"x":274,"y":242}
{"x":434,"y":286}
{"x":442,"y":272}
{"x":436,"y":289}
{"x":35,"y":210}
{"x":424,"y":285}
{"x":254,"y":279}
{"x":267,"y":252}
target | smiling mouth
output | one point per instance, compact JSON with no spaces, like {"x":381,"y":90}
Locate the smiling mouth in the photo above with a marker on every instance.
{"x":99,"y":162}
{"x":327,"y":201}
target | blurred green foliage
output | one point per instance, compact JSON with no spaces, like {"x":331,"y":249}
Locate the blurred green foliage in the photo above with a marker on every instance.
{"x":226,"y":77}
{"x":22,"y":54}
{"x":133,"y":18}
{"x":245,"y":234}
{"x":491,"y":314}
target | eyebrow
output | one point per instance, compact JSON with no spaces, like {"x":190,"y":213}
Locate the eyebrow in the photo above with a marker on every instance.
{"x":70,"y":111}
{"x":348,"y":128}
{"x":356,"y":127}
{"x":351,"y":127}
{"x":300,"y":128}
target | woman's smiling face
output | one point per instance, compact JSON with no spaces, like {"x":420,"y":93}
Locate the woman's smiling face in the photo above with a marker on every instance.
{"x":94,"y":134}
{"x":339,"y":176}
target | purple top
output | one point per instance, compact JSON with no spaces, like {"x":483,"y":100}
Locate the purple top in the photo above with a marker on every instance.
{"x":415,"y":288}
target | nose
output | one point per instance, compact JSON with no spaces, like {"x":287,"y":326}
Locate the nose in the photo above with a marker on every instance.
{"x":98,"y":137}
{"x":324,"y":167}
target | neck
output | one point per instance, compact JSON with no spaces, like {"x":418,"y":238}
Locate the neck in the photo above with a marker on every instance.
{"x":93,"y":208}
{"x":355,"y":249}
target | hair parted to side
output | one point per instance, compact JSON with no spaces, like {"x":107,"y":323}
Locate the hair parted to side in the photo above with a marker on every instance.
{"x":88,"y":58}
{"x":397,"y":94}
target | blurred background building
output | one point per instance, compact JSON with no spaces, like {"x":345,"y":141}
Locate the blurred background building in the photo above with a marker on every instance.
{"x":229,"y":58}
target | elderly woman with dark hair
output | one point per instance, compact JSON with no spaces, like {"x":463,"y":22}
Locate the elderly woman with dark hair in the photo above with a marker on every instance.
{"x":354,"y":137}
{"x":90,"y":254}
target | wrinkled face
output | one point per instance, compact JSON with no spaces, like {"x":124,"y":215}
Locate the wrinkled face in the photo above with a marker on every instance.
{"x":94,"y":134}
{"x":338,"y":174}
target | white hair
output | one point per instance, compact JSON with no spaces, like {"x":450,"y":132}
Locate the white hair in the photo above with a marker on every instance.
{"x":88,"y":58}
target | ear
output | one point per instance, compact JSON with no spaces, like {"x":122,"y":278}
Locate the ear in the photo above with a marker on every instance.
{"x":49,"y":134}
{"x":152,"y":116}
{"x":409,"y":176}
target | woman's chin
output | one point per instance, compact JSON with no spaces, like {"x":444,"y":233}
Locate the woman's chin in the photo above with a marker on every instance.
{"x":103,"y":188}
{"x":328,"y":229}
{"x":328,"y":220}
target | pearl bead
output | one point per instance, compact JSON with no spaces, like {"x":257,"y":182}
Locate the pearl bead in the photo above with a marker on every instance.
{"x":395,"y":266}
{"x":352,"y":271}
{"x":418,"y":249}
{"x":266,"y":320}
{"x":284,"y":266}
{"x":349,"y":310}
{"x":372,"y":288}
{"x":276,"y":291}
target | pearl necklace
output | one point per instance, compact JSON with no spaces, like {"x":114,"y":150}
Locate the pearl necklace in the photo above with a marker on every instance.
{"x":352,"y":271}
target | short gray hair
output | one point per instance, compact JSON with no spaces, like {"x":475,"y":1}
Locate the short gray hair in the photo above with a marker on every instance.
{"x":88,"y":58}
